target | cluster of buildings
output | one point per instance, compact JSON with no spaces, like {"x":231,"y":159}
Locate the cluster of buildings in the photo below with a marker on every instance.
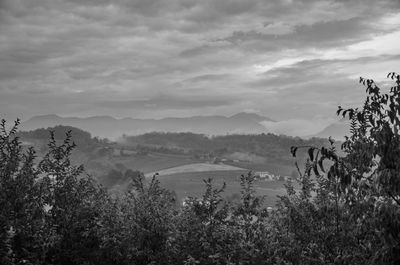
{"x":265,"y":175}
{"x":217,"y":160}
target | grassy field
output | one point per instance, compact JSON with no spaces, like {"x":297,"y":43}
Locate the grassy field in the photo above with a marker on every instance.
{"x":195,"y":167}
{"x":148,"y":163}
{"x":270,"y":166}
{"x":191,"y":184}
{"x":185,"y":175}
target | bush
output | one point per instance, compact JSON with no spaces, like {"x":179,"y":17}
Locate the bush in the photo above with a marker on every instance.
{"x":344,"y":213}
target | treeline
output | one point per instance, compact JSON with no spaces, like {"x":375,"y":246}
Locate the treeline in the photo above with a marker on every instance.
{"x":347,"y":213}
{"x":83,"y":140}
{"x":265,"y":145}
{"x":87,"y":148}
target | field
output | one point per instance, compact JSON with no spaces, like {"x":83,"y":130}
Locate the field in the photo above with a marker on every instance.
{"x":148,"y":163}
{"x":184,"y":175}
{"x":195,"y":167}
{"x":270,"y":166}
{"x":192,"y":184}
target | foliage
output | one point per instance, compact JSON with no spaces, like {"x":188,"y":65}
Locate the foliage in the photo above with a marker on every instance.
{"x":136,"y":228}
{"x":274,"y":147}
{"x":346,"y":211}
{"x":360,"y":191}
{"x":49,"y":213}
{"x":84,"y":141}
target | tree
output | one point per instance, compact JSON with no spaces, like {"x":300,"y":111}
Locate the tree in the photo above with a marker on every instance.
{"x":74,"y":203}
{"x":360,"y":192}
{"x":203,"y":232}
{"x":137,"y":228}
{"x":49,"y":210}
{"x":23,"y":235}
{"x":345,"y":211}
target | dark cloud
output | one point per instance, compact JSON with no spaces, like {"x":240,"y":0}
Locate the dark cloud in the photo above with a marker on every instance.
{"x":314,"y":71}
{"x":209,"y":77}
{"x":318,"y":35}
{"x":318,"y":86}
{"x":91,"y":2}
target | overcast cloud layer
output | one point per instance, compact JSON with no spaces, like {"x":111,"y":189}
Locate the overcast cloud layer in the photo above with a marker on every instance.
{"x":289,"y":60}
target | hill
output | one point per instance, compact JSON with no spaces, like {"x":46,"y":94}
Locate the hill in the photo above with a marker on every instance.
{"x":84,"y":140}
{"x":175,"y":154}
{"x":112,"y":128}
{"x":182,"y":160}
{"x":261,"y":152}
{"x":336,"y":130}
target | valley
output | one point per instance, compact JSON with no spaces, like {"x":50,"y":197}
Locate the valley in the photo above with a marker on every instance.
{"x":181,"y":161}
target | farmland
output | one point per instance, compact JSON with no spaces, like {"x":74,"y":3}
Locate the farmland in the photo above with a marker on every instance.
{"x":191,"y":184}
{"x":182,"y":167}
{"x":150,"y":162}
{"x":196,"y":167}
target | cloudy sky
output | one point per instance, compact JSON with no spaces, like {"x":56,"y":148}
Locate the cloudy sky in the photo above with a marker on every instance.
{"x":292,"y":60}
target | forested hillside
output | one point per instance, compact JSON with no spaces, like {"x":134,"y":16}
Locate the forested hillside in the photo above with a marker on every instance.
{"x":109,"y":127}
{"x":83,"y":140}
{"x":149,"y":153}
{"x":270,"y":146}
{"x":347,"y":210}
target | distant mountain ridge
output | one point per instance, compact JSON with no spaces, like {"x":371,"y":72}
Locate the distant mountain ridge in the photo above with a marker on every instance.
{"x":336,"y":130}
{"x":251,"y":116}
{"x":110,"y":127}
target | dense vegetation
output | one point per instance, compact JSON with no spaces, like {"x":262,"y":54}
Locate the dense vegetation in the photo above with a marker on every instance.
{"x":110,"y":162}
{"x":84,"y":141}
{"x":345,"y":213}
{"x":270,"y":146}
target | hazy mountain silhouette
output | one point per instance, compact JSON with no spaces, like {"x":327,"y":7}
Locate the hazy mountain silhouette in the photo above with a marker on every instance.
{"x":336,"y":130}
{"x":250,"y":116}
{"x":109,"y":127}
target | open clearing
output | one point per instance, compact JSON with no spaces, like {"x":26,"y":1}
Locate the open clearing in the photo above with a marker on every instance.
{"x":185,"y":175}
{"x":195,"y":167}
{"x":148,"y":163}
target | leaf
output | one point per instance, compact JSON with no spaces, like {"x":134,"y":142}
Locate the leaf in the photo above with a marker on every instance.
{"x":308,"y":170}
{"x":311,"y":153}
{"x":391,"y":116}
{"x":371,"y":120}
{"x":321,"y":165}
{"x":293,"y":150}
{"x":315,"y":168}
{"x":351,"y":114}
{"x":339,"y":110}
{"x":330,"y":175}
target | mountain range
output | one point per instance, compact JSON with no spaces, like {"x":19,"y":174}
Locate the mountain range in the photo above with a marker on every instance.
{"x":112,"y":128}
{"x":336,"y":130}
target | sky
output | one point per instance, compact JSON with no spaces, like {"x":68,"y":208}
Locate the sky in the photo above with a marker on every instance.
{"x":293,"y":61}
